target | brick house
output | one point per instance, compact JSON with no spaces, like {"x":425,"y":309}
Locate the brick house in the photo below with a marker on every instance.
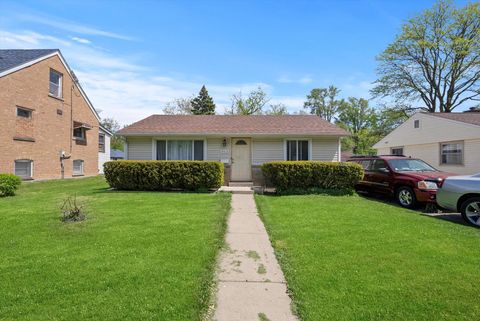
{"x":49,"y":127}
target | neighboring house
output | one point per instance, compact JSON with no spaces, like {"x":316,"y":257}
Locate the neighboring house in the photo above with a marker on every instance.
{"x":116,"y":154}
{"x":447,"y":141}
{"x":49,"y":128}
{"x":242,"y":143}
{"x":104,"y":136}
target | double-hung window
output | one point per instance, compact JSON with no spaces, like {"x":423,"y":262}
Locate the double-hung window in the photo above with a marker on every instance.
{"x":23,"y":168}
{"x":180,"y":150}
{"x":451,"y":153}
{"x":55,"y":83}
{"x":297,"y":150}
{"x":101,"y":143}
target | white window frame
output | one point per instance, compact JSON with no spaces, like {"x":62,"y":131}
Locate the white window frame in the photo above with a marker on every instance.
{"x":154,"y":146}
{"x":462,"y":161}
{"x":285,"y":142}
{"x":82,"y":167}
{"x":104,"y":147}
{"x":60,"y":84}
{"x":23,"y":161}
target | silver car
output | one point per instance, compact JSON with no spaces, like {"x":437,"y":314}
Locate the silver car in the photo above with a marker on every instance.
{"x":462,"y":194}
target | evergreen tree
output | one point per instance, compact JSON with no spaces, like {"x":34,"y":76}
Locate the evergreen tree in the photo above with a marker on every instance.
{"x":203,"y":104}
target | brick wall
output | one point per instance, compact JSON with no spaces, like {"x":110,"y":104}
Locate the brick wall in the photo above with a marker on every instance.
{"x":50,"y":125}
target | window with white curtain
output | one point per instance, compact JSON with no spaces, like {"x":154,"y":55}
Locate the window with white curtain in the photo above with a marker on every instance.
{"x":180,"y":150}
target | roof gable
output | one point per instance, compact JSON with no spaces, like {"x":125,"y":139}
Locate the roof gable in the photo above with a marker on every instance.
{"x":11,"y":58}
{"x":17,"y":59}
{"x":472,"y":118}
{"x":233,"y":125}
{"x":432,"y":129}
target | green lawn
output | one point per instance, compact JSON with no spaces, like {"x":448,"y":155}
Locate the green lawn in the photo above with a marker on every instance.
{"x":138,"y":256}
{"x":350,"y":258}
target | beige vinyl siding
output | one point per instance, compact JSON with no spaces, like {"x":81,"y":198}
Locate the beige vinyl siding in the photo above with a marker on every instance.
{"x":267,"y":150}
{"x":430,"y":153}
{"x":432,"y":130}
{"x":325,"y":149}
{"x":216,"y":151}
{"x":139,"y":148}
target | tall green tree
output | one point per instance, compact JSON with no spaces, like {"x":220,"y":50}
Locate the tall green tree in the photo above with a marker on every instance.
{"x":434,"y":60}
{"x":203,"y":104}
{"x":323,"y":102}
{"x":116,"y":142}
{"x":253,"y":104}
{"x":359,"y":119}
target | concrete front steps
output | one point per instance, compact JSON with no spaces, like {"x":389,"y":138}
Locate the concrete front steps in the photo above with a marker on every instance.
{"x":240,"y":184}
{"x":238,"y":188}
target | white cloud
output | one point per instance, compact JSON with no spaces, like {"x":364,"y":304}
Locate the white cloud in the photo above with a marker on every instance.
{"x":81,"y":40}
{"x":71,"y":26}
{"x":292,"y":80}
{"x":28,"y":39}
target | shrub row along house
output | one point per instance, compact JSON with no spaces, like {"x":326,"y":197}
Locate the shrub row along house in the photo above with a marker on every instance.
{"x":241,"y":143}
{"x":448,"y":141}
{"x":50,"y":129}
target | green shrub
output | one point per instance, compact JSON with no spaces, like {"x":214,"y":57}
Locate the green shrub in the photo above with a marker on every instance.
{"x":164,"y":175}
{"x":9,"y":184}
{"x":311,"y":175}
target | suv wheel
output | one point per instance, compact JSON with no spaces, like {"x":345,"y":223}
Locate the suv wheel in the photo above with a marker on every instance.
{"x":470,"y":210}
{"x":406,"y":197}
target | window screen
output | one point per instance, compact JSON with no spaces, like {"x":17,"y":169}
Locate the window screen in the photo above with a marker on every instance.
{"x":297,"y":150}
{"x":161,"y":150}
{"x":78,"y":167}
{"x":198,"y":150}
{"x":23,"y":168}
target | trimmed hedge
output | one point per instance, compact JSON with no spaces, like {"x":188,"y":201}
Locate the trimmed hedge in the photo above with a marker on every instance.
{"x":305,"y":175}
{"x":164,"y":175}
{"x":9,"y":184}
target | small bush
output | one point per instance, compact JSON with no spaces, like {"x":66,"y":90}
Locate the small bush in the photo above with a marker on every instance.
{"x":71,"y":210}
{"x":9,"y":183}
{"x":312,"y":176}
{"x":164,"y":175}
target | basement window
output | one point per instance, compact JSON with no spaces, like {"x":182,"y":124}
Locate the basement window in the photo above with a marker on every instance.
{"x":24,"y":168}
{"x":78,"y":167}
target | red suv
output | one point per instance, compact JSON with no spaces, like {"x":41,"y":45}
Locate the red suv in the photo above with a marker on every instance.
{"x":411,"y":181}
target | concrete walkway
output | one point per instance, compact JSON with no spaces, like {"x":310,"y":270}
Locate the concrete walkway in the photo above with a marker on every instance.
{"x":251,"y":285}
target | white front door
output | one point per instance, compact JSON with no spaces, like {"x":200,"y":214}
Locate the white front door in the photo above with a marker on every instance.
{"x":241,"y":159}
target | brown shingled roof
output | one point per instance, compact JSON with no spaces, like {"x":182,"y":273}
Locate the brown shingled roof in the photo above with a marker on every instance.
{"x":468,"y":117}
{"x":233,"y":124}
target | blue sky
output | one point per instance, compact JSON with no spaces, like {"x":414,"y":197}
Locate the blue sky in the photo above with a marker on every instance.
{"x":132,"y":57}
